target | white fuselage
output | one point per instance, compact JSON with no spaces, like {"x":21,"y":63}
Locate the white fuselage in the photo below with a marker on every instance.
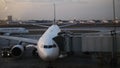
{"x":47,"y":49}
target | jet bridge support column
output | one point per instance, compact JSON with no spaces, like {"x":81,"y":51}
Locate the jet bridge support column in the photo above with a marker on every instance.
{"x":69,"y":45}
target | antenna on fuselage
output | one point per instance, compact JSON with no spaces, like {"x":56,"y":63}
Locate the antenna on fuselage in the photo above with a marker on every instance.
{"x":54,"y":22}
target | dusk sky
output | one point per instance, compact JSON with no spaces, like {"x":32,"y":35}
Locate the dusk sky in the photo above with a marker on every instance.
{"x":65,"y":9}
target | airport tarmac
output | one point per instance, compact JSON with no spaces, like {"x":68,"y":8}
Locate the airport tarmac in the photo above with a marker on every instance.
{"x":30,"y":61}
{"x":68,"y":62}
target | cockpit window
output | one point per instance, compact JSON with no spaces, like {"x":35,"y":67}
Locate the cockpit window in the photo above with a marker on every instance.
{"x":50,"y":46}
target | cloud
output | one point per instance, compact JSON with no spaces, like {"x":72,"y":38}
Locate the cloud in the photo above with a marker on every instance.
{"x":2,"y":5}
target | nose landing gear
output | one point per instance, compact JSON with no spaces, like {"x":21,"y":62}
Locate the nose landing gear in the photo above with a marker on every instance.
{"x":49,"y":65}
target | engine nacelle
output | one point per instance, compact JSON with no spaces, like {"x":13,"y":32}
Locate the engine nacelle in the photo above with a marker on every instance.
{"x":17,"y":50}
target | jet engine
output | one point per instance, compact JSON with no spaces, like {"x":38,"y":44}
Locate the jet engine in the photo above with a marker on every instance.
{"x":17,"y":50}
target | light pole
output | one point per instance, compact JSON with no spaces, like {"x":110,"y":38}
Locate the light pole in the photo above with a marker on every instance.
{"x":114,"y":10}
{"x":114,"y":39}
{"x":54,"y":13}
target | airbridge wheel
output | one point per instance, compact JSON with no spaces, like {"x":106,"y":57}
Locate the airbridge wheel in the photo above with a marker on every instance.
{"x":16,"y":51}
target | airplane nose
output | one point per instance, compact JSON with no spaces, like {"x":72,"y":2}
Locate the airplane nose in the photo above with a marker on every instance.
{"x":50,"y":56}
{"x":47,"y":58}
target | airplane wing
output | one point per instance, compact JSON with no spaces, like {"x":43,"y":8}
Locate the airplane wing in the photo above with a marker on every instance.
{"x":27,"y":40}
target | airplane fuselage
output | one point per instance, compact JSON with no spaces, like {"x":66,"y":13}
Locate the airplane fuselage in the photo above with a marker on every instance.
{"x":47,"y":48}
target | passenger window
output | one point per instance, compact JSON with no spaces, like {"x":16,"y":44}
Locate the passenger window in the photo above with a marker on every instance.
{"x":49,"y":46}
{"x":45,"y":46}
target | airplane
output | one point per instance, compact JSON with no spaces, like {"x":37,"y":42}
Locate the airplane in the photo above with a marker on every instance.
{"x":10,"y":30}
{"x":46,"y":46}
